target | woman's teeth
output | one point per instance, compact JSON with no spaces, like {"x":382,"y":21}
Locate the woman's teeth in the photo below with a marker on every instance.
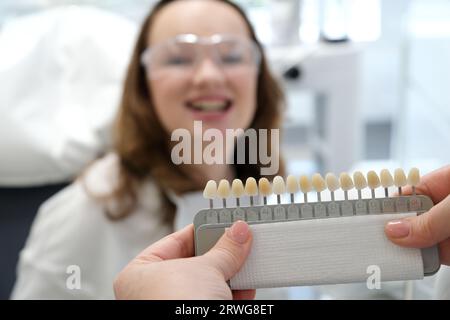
{"x":210,"y":105}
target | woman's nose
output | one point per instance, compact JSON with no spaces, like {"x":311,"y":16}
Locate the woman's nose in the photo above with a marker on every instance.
{"x":208,"y":72}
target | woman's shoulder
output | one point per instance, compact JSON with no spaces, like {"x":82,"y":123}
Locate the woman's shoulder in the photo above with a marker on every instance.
{"x":102,"y":176}
{"x":85,"y":200}
{"x":78,"y":198}
{"x":73,"y":216}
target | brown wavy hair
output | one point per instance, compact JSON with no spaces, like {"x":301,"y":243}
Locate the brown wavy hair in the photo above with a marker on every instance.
{"x":142,"y":144}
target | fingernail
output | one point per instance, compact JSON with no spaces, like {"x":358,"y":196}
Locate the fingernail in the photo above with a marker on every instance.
{"x":239,"y":232}
{"x":398,"y":228}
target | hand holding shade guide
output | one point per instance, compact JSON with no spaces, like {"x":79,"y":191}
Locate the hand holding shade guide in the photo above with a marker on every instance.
{"x":303,"y":243}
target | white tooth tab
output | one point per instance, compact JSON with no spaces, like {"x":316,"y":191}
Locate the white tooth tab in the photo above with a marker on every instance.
{"x":278,"y":185}
{"x":291,"y":184}
{"x":318,"y":182}
{"x":359,"y":180}
{"x":399,"y":178}
{"x":346,"y":181}
{"x":413,"y":177}
{"x":265,"y":189}
{"x":237,"y":188}
{"x":210,"y":191}
{"x":251,"y":187}
{"x":223,"y":191}
{"x":386,"y":178}
{"x":372,"y":180}
{"x":305,"y":184}
{"x":332,"y":182}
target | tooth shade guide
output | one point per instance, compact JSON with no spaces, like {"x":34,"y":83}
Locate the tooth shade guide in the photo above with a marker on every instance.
{"x":251,"y":189}
{"x":386,"y":180}
{"x":399,"y":179}
{"x":237,"y":189}
{"x":346,"y":183}
{"x":223,"y":191}
{"x":292,"y":186}
{"x":332,"y":184}
{"x":305,"y":186}
{"x":265,"y":189}
{"x":278,"y":187}
{"x":210,"y":192}
{"x":358,"y":192}
{"x":318,"y":183}
{"x":305,"y":197}
{"x":360,"y":182}
{"x":413,"y":179}
{"x":373,"y":182}
{"x":308,"y":211}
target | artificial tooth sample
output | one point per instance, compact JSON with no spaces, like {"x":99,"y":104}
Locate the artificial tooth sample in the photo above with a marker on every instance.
{"x":237,"y":189}
{"x":332,"y":183}
{"x":414,"y":179}
{"x":210,"y":192}
{"x":373,"y":181}
{"x":399,"y":179}
{"x":360,"y":182}
{"x":346,"y":183}
{"x":292,"y":186}
{"x":278,"y":187}
{"x":251,"y":189}
{"x":318,"y":184}
{"x":305,"y":186}
{"x":223,"y":191}
{"x":265,"y":189}
{"x":386,"y":181}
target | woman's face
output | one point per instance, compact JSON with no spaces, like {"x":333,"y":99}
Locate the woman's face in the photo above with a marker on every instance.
{"x":208,"y":92}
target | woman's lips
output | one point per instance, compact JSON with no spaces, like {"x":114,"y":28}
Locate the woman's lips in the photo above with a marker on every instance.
{"x":210,"y":110}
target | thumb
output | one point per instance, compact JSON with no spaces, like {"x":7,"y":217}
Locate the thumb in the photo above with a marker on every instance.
{"x":422,"y":231}
{"x":230,"y":252}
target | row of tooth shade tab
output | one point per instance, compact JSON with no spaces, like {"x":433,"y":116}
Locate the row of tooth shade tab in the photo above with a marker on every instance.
{"x":316,"y":183}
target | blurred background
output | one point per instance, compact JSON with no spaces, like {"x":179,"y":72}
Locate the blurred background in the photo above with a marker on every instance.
{"x":367,"y":85}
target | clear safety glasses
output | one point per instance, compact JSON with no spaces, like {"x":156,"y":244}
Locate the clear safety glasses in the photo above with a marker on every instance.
{"x":181,"y":56}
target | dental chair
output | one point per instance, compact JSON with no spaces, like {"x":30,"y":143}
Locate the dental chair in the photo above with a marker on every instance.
{"x":61,"y":73}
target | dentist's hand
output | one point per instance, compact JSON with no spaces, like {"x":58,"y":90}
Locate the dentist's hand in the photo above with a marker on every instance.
{"x":432,"y":227}
{"x":168,"y":270}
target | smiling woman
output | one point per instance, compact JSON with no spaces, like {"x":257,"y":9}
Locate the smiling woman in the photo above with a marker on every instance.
{"x":183,"y":57}
{"x":205,"y":80}
{"x":194,"y":60}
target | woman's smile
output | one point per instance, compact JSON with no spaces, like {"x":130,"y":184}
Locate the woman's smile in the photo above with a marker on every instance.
{"x":213,"y":107}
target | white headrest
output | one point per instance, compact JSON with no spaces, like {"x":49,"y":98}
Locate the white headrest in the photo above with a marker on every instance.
{"x":61,"y":75}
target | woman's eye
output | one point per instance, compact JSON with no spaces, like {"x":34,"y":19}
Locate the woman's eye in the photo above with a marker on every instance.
{"x":232,"y":59}
{"x":178,"y":61}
